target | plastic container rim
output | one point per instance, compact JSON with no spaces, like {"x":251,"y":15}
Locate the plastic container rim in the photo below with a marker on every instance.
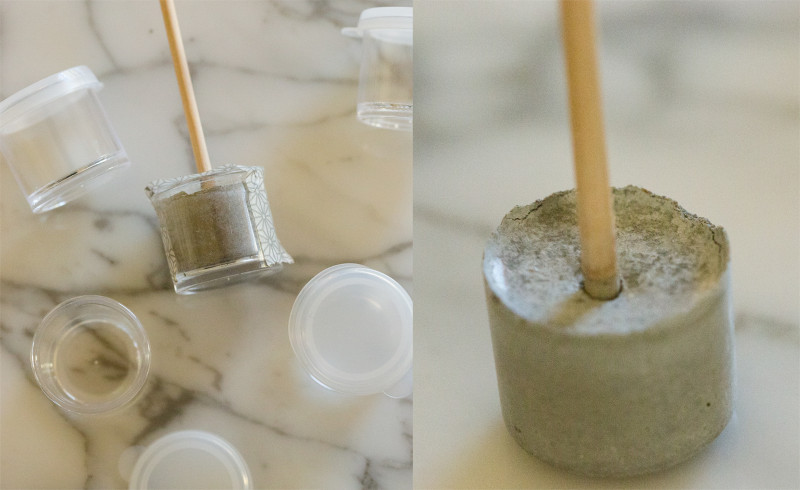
{"x":46,"y":90}
{"x":95,"y":408}
{"x":376,"y":381}
{"x":382,"y":18}
{"x":212,"y":444}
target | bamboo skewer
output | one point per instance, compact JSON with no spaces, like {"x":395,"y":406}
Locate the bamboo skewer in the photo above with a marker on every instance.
{"x":595,"y":213}
{"x":199,"y":149}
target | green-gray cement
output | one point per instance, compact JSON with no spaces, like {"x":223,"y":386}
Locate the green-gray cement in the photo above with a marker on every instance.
{"x":620,"y":387}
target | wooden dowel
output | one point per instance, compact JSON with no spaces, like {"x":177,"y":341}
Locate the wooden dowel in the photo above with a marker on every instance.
{"x":595,"y":212}
{"x":199,"y":149}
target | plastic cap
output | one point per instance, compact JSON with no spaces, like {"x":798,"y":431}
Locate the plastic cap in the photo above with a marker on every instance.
{"x":190,"y":459}
{"x":382,"y":18}
{"x":47,"y":90}
{"x":351,"y":329}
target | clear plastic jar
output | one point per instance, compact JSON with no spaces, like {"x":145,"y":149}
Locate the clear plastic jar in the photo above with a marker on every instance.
{"x":386,"y":79}
{"x":57,"y":139}
{"x":91,"y":355}
{"x":216,"y":227}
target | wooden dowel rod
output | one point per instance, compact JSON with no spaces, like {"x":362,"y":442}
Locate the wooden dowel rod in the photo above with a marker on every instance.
{"x":199,"y":149}
{"x":595,"y":212}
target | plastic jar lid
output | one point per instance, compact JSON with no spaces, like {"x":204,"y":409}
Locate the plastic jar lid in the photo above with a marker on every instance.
{"x":90,"y":355}
{"x":382,"y":18}
{"x":351,"y":329}
{"x":47,"y":90}
{"x":190,"y":459}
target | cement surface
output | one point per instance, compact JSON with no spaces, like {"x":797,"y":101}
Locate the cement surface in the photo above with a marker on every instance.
{"x":618,"y":387}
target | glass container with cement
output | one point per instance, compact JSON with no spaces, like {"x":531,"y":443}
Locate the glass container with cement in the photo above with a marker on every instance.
{"x":217,"y":228}
{"x":91,"y":355}
{"x":620,"y":387}
{"x":385,"y":84}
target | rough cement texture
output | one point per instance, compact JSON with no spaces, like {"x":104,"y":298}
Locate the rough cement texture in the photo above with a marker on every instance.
{"x":620,"y":387}
{"x":209,"y":227}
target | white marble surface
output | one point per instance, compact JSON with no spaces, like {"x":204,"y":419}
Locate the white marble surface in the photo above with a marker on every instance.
{"x":701,"y":105}
{"x":276,"y":86}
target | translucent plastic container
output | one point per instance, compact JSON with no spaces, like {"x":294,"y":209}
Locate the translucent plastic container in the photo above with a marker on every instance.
{"x":386,"y":81}
{"x":190,"y":459}
{"x":216,"y":227}
{"x":90,"y":355}
{"x":351,"y":328}
{"x":57,"y":139}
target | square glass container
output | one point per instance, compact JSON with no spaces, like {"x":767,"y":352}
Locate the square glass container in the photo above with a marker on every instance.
{"x":90,"y":355}
{"x":57,"y":140}
{"x":386,"y":81}
{"x":216,"y":227}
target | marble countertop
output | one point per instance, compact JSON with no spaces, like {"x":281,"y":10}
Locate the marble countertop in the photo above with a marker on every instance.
{"x":701,"y":105}
{"x":276,"y":87}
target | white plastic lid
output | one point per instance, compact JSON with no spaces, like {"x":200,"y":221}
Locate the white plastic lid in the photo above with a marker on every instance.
{"x":190,"y":459}
{"x":382,"y":18}
{"x":351,"y":327}
{"x":47,"y":90}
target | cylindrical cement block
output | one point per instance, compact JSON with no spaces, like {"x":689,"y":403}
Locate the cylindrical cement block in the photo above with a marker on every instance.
{"x":621,"y":387}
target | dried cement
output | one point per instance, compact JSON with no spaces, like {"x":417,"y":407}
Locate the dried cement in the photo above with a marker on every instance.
{"x":620,"y":387}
